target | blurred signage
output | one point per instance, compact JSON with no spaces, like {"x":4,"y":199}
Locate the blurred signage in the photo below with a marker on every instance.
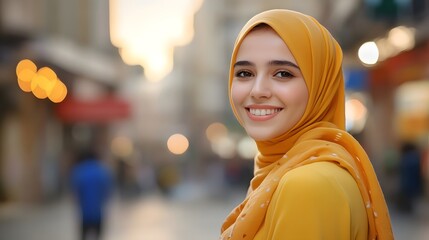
{"x":102,"y":110}
{"x":356,"y":79}
{"x":412,"y":110}
{"x":393,"y":10}
{"x":407,"y":66}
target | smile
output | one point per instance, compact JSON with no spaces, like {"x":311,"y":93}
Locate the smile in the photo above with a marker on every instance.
{"x":263,"y":112}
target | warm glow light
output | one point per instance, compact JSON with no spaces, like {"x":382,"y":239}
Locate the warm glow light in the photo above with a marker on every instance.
{"x":368,"y":53}
{"x":51,"y":78}
{"x":357,"y":109}
{"x":36,"y":86}
{"x":411,"y":109}
{"x":402,"y":38}
{"x":398,"y":39}
{"x":146,"y":32}
{"x":25,"y":71}
{"x":356,"y":115}
{"x":25,"y":64}
{"x":247,"y":148}
{"x":122,"y":147}
{"x":215,"y":131}
{"x":42,"y":83}
{"x":24,"y":79}
{"x":177,"y":144}
{"x":385,"y":49}
{"x":413,"y":97}
{"x":224,"y":147}
{"x":58,"y":92}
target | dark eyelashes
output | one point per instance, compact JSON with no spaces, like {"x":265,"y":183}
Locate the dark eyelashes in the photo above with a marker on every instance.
{"x":284,"y":74}
{"x":278,"y":74}
{"x":243,"y":73}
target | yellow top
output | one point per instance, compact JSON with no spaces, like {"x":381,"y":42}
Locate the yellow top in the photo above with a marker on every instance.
{"x":319,"y":136}
{"x":315,"y":201}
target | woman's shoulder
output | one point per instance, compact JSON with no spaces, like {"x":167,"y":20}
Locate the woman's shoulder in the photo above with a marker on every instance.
{"x":320,"y":200}
{"x":321,"y":188}
{"x":319,"y":178}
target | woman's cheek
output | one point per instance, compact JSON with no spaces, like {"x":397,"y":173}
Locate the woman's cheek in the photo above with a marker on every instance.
{"x":239,"y":93}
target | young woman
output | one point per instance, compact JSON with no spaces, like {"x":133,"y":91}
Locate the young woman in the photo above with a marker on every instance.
{"x":312,"y":180}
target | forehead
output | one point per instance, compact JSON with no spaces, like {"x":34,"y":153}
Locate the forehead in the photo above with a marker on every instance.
{"x":264,"y":42}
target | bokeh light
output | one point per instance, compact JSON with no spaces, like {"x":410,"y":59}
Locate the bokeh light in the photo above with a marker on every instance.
{"x":162,"y":25}
{"x":122,"y":147}
{"x":225,"y":147}
{"x":402,"y":37}
{"x":177,"y":144}
{"x":247,"y":148}
{"x":36,"y":86}
{"x":58,"y":92}
{"x":356,"y":115}
{"x":215,"y":131}
{"x":42,"y":83}
{"x":398,"y":39}
{"x":25,"y":64}
{"x":368,"y":53}
{"x":24,"y":79}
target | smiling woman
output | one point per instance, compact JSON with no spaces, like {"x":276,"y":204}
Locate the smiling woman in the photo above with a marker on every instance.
{"x":312,"y":180}
{"x":268,"y":90}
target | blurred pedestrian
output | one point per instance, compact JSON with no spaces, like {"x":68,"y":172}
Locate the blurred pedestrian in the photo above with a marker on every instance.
{"x":168,"y":177}
{"x":92,"y":186}
{"x":411,"y":185}
{"x":312,"y":180}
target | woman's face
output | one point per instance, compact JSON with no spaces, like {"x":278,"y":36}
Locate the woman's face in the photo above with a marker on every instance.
{"x":268,"y":90}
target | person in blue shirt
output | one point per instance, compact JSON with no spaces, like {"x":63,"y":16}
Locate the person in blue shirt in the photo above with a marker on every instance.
{"x":92,"y":186}
{"x":410,"y":176}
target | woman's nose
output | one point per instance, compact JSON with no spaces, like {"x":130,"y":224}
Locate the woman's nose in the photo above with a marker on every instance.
{"x":261,"y":88}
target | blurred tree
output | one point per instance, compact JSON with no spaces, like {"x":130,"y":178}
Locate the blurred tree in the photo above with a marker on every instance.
{"x":394,"y":10}
{"x":383,"y":9}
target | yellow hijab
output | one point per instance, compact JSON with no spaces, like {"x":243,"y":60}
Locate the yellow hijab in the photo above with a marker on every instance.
{"x":319,"y":135}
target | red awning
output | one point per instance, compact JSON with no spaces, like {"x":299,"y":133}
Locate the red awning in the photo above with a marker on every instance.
{"x":102,"y":110}
{"x":407,"y":66}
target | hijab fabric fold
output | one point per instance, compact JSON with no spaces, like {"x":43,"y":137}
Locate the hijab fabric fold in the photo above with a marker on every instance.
{"x":318,"y":136}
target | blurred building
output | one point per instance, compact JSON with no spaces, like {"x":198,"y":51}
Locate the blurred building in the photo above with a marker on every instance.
{"x":39,"y":139}
{"x":114,"y":106}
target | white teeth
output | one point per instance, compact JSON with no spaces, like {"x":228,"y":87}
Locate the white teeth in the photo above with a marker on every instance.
{"x":263,"y":112}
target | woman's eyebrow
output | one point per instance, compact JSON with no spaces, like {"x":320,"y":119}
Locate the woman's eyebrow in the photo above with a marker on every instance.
{"x":282,"y":63}
{"x":243,"y":63}
{"x":273,"y":63}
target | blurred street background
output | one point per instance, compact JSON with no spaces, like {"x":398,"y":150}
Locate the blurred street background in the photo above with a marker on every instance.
{"x":146,"y":85}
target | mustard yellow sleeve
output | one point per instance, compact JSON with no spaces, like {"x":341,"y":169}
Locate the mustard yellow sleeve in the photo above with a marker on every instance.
{"x":316,"y":201}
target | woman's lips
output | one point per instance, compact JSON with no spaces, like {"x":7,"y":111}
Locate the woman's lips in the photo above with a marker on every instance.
{"x":262,"y":113}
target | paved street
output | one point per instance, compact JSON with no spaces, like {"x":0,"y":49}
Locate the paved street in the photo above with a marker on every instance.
{"x":155,"y":217}
{"x":151,"y":217}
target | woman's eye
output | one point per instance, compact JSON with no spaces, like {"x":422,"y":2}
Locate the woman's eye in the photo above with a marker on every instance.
{"x":284,"y":74}
{"x":243,"y":74}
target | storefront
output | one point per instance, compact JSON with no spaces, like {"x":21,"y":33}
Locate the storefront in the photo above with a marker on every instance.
{"x":399,"y":89}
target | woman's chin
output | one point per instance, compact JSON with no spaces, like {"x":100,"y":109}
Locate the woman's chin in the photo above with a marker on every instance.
{"x":258,"y":136}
